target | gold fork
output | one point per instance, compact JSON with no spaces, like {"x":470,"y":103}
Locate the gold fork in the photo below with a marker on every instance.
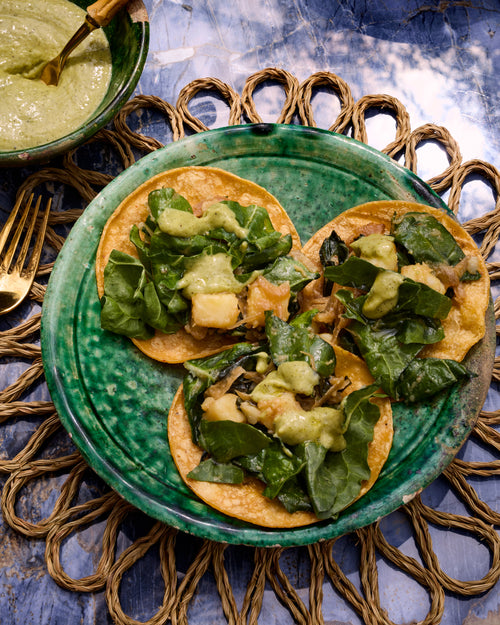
{"x":15,"y":278}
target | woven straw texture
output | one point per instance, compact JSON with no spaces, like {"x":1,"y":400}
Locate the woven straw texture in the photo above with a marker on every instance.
{"x":66,"y":518}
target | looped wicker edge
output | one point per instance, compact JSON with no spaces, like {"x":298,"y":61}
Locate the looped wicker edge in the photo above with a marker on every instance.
{"x":486,"y":534}
{"x":165,"y":536}
{"x":438,"y":134}
{"x":424,"y":576}
{"x":95,"y":178}
{"x":208,"y":84}
{"x":342,"y":90}
{"x":32,"y":470}
{"x":271,"y":74}
{"x":111,"y":505}
{"x":382,"y":102}
{"x":137,"y":139}
{"x":65,"y":519}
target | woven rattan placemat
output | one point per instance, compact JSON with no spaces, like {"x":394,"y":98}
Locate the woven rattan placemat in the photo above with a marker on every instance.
{"x":20,"y":343}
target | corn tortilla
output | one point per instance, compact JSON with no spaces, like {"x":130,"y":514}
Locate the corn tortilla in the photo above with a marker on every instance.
{"x":245,"y":501}
{"x":201,"y":186}
{"x":465,"y":324}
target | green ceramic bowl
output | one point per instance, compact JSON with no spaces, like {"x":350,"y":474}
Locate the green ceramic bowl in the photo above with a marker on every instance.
{"x":128,"y":36}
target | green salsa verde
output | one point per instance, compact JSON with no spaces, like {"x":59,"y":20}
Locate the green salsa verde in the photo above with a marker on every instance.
{"x":32,"y":32}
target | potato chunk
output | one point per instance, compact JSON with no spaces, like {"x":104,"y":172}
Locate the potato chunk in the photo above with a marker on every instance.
{"x":264,"y":295}
{"x":421,"y":272}
{"x":215,"y":310}
{"x":222,"y":409}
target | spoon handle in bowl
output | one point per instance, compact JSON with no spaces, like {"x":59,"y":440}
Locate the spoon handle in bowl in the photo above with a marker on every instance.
{"x":103,"y":11}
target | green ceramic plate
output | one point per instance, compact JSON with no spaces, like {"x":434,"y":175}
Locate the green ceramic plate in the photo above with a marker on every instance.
{"x":114,"y":401}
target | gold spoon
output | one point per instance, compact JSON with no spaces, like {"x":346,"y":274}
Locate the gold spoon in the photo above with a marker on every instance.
{"x":98,"y":15}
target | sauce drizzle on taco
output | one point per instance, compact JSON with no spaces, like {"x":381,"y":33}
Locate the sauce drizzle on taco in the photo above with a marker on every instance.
{"x":190,"y":261}
{"x":280,"y":434}
{"x":404,"y":286}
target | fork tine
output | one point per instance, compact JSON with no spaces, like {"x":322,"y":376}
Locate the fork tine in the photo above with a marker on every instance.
{"x":27,"y":239}
{"x":7,"y":260}
{"x":4,"y":235}
{"x":37,"y":249}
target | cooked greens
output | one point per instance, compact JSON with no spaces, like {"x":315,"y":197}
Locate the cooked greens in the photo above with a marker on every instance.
{"x":152,"y":293}
{"x":390,"y":342}
{"x":305,"y":476}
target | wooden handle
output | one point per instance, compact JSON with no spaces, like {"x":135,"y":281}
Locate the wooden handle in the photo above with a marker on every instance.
{"x":103,"y":11}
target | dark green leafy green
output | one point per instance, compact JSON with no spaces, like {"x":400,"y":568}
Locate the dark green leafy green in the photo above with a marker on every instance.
{"x":161,"y":199}
{"x":355,"y":272}
{"x":425,"y":377}
{"x":426,"y":239}
{"x":302,"y":477}
{"x":287,"y":269}
{"x":221,"y":473}
{"x":297,"y":341}
{"x":123,"y":301}
{"x":274,"y":465}
{"x":225,"y":440}
{"x":334,"y":479}
{"x":203,"y":372}
{"x":333,"y":251}
{"x":420,"y":299}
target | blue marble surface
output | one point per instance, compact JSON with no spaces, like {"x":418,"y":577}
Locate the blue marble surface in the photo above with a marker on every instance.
{"x":442,"y":61}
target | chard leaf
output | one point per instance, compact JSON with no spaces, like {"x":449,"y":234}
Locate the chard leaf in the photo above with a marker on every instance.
{"x":296,"y":341}
{"x":278,"y":467}
{"x":467,"y":276}
{"x":203,"y":372}
{"x":122,"y":303}
{"x":176,"y":304}
{"x":179,"y":246}
{"x":350,"y":468}
{"x":294,"y":496}
{"x":426,"y":239}
{"x":420,"y":299}
{"x":153,"y":311}
{"x":334,"y":479}
{"x":161,"y":199}
{"x":254,"y":218}
{"x":123,"y":319}
{"x":124,"y":277}
{"x":421,"y":330}
{"x":221,"y":473}
{"x":355,"y":272}
{"x":225,"y":440}
{"x":353,"y":305}
{"x":427,"y":376}
{"x":213,"y":368}
{"x":141,"y":245}
{"x":155,"y":314}
{"x":333,"y":251}
{"x":257,"y":259}
{"x":385,"y":356}
{"x":321,"y":484}
{"x":287,"y":269}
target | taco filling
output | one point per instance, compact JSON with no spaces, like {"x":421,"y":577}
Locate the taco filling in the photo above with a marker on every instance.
{"x":202,"y":272}
{"x":404,"y":287}
{"x":283,"y":433}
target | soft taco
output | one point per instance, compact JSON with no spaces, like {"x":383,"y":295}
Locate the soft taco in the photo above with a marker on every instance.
{"x":404,"y":286}
{"x":188,"y":263}
{"x":280,"y":434}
